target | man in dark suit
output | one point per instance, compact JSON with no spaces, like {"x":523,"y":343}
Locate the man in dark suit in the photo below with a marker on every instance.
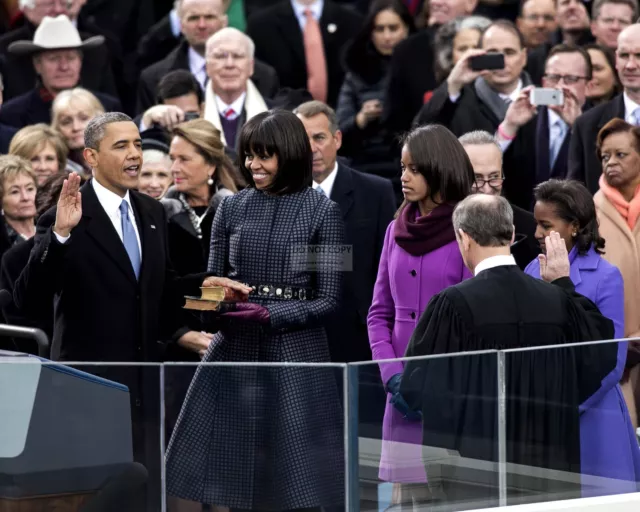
{"x":583,"y":162}
{"x":199,"y":21}
{"x":278,"y":33}
{"x":160,"y":40}
{"x":502,"y":308}
{"x":100,"y":62}
{"x":367,"y":204}
{"x":104,"y":263}
{"x":473,"y":100}
{"x":535,"y":141}
{"x":409,"y":82}
{"x":57,"y":61}
{"x":486,"y":158}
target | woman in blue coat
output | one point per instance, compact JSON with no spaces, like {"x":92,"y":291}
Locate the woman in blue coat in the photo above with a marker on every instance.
{"x":609,"y":447}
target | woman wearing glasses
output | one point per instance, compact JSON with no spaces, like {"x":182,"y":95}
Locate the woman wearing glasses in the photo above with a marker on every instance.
{"x":568,"y":208}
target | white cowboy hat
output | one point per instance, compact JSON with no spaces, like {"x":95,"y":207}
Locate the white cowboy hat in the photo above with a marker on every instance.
{"x":54,"y":34}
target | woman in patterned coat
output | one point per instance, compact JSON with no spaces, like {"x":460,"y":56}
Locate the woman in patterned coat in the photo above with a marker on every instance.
{"x":267,"y":438}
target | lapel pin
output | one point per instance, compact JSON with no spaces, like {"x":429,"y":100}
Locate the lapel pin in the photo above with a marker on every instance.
{"x":331,"y":28}
{"x":153,"y":226}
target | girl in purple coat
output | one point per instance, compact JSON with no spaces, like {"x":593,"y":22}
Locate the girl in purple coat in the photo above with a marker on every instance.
{"x":608,"y":445}
{"x":420,"y":258}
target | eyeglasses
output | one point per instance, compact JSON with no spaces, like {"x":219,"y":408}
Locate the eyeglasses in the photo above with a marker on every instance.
{"x":493,"y":182}
{"x":223,"y":56}
{"x":567,"y":79}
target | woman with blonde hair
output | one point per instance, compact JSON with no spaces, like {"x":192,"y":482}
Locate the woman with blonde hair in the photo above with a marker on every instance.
{"x":18,"y":196}
{"x":43,"y":147}
{"x":71,"y":112}
{"x":203,"y":175}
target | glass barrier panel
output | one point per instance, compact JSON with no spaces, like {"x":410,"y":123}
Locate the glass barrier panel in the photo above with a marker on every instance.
{"x":430,"y":441}
{"x":79,"y":436}
{"x":255,"y":436}
{"x":569,"y":432}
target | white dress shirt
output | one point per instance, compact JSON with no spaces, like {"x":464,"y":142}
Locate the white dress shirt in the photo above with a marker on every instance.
{"x":198,"y":67}
{"x":111,"y":204}
{"x":327,"y":184}
{"x":494,"y":261}
{"x":315,"y":8}
{"x":237,"y":106}
{"x":630,"y":108}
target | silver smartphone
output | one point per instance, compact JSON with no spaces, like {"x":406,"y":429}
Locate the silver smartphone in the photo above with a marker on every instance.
{"x":544,"y":96}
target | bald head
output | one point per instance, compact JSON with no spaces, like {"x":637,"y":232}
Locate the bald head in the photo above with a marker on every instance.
{"x":487,"y":220}
{"x":199,"y":20}
{"x":627,"y":64}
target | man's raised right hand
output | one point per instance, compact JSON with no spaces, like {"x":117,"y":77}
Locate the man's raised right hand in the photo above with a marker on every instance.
{"x":69,"y":210}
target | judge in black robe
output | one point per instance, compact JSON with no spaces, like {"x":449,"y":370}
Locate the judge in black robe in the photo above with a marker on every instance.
{"x":501,"y":308}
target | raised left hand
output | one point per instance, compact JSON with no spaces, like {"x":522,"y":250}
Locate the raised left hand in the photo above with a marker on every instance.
{"x":249,"y":312}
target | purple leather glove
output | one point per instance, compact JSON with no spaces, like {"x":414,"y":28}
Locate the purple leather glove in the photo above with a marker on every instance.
{"x":249,"y":312}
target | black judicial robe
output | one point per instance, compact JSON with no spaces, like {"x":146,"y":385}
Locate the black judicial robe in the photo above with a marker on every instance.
{"x":500,"y":309}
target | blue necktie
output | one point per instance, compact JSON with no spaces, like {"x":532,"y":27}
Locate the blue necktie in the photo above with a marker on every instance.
{"x":319,"y":189}
{"x":129,"y":238}
{"x":557,"y":138}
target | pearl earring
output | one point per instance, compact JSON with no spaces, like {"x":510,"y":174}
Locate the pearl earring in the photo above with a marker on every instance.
{"x":210,"y":182}
{"x":574,"y":234}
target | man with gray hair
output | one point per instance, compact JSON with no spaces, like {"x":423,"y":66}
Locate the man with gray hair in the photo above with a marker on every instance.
{"x":198,"y":21}
{"x":486,"y":158}
{"x":231,"y":97}
{"x":103,"y":262}
{"x":502,"y":308}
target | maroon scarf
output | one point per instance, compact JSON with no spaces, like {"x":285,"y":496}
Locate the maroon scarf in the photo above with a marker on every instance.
{"x":421,"y":235}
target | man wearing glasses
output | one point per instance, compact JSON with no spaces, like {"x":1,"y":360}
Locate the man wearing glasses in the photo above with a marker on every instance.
{"x":535,"y":140}
{"x":486,"y":158}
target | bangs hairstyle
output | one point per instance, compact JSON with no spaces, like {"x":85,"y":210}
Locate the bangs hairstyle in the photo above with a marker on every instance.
{"x":279,"y":133}
{"x":614,"y":126}
{"x":442,"y":161}
{"x":572,"y":202}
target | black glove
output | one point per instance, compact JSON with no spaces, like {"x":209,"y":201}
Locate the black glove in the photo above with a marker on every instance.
{"x":397,"y":400}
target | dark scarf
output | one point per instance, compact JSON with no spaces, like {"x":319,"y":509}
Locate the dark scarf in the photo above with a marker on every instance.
{"x":421,"y":235}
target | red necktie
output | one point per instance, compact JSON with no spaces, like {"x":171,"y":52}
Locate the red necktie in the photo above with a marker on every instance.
{"x":229,"y":113}
{"x":316,"y":61}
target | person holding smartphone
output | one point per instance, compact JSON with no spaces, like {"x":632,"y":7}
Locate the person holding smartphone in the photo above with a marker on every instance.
{"x":535,"y":138}
{"x":481,"y":85}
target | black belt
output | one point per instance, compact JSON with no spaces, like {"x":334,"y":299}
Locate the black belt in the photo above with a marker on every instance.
{"x":284,"y":292}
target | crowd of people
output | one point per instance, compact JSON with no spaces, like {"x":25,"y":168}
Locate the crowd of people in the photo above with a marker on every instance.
{"x":145,"y":156}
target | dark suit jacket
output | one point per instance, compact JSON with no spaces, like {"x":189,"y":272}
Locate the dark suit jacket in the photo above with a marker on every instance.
{"x":102,"y":313}
{"x":264,"y":76}
{"x":583,"y":162}
{"x":526,"y":160}
{"x":408,"y":82}
{"x":278,"y":38}
{"x":30,"y":108}
{"x":6,"y":134}
{"x":468,"y":113}
{"x":97,"y":64}
{"x":367,"y":204}
{"x":157,"y":43}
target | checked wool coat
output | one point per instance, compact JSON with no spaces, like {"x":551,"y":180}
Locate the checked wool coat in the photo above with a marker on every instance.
{"x":267,"y":438}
